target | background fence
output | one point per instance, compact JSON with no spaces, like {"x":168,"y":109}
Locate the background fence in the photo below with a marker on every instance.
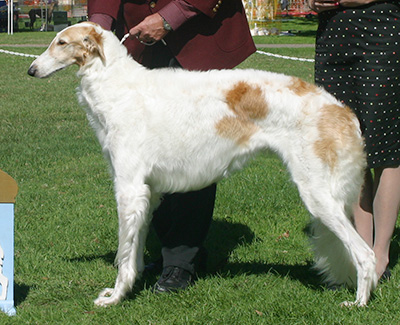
{"x":45,"y":15}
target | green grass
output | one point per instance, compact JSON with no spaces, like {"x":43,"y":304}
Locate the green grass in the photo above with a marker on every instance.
{"x":41,"y":38}
{"x":66,"y":225}
{"x":303,"y":31}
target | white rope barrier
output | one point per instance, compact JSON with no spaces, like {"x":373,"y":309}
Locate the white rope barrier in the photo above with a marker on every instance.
{"x":19,"y":54}
{"x":285,"y":57}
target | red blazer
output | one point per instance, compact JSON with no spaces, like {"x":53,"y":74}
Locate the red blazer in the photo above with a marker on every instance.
{"x":218,"y":38}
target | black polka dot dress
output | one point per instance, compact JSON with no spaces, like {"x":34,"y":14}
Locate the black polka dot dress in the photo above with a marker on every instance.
{"x":358,"y":61}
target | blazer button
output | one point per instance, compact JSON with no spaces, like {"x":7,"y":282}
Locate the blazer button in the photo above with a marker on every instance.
{"x":152,"y":4}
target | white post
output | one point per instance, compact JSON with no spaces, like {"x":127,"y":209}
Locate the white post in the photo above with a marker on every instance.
{"x":10,"y":17}
{"x":46,"y":13}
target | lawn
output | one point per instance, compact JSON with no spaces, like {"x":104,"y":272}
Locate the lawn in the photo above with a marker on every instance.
{"x":66,"y":222}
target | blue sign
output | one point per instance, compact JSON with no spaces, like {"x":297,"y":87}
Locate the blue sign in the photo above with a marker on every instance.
{"x":7,"y":258}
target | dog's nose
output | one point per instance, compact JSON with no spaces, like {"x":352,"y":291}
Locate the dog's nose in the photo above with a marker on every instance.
{"x":32,"y":70}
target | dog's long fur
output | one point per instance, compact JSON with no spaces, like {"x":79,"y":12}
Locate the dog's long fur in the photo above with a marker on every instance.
{"x":171,"y":130}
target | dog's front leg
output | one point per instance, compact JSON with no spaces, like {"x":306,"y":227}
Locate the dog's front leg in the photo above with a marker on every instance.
{"x":134,"y":219}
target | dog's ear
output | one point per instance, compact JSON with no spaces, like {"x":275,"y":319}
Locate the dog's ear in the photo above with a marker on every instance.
{"x":93,"y":43}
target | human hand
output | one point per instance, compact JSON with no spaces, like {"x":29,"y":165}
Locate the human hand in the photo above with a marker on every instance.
{"x":355,"y":3}
{"x":151,"y":29}
{"x":323,"y":5}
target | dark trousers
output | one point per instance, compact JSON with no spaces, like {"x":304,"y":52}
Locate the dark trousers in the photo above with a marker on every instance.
{"x":182,"y":220}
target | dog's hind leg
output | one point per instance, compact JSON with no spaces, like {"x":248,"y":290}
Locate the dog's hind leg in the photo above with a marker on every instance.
{"x":134,"y":219}
{"x":340,"y":251}
{"x":343,"y":256}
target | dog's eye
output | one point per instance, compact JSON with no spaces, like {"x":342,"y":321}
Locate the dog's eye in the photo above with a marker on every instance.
{"x":61,"y":42}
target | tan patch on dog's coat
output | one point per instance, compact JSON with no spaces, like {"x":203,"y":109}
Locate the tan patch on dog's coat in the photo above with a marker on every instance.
{"x":236,"y":128}
{"x":301,"y":88}
{"x":247,"y":101}
{"x":336,"y":130}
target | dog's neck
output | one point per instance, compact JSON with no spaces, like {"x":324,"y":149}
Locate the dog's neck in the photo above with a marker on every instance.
{"x":112,"y":46}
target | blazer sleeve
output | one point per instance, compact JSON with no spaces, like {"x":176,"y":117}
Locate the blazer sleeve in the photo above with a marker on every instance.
{"x":207,"y":7}
{"x":109,"y":7}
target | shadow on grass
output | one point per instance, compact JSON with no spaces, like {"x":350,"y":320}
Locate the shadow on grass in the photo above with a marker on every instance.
{"x":21,"y":291}
{"x":302,"y":273}
{"x":223,"y":238}
{"x":109,"y":258}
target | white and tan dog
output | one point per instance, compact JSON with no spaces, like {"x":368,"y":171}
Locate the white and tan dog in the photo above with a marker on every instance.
{"x":169,"y":130}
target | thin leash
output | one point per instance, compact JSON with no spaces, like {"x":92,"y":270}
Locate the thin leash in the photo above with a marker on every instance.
{"x":126,"y":36}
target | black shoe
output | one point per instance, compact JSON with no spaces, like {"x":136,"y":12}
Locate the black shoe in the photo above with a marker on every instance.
{"x":173,"y":279}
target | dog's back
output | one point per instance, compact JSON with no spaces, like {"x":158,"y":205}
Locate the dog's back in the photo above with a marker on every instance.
{"x":181,"y":126}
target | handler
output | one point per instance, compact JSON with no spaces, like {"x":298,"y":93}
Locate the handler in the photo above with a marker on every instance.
{"x":194,"y":35}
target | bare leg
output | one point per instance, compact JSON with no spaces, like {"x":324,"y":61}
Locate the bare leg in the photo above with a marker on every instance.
{"x":363,"y":218}
{"x":375,"y":217}
{"x":386,"y":208}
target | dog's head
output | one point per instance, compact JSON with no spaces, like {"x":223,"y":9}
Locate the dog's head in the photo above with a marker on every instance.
{"x":78,"y":44}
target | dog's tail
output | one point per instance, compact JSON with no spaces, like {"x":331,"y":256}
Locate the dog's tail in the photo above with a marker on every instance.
{"x":332,"y":259}
{"x":334,"y":237}
{"x":330,"y":235}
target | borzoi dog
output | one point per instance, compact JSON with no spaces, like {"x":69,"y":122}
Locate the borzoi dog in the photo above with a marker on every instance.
{"x":169,"y":130}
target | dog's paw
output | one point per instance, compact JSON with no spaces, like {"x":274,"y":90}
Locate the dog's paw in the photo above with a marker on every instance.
{"x":106,"y":298}
{"x":352,"y":304}
{"x":107,"y":292}
{"x":106,"y":301}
